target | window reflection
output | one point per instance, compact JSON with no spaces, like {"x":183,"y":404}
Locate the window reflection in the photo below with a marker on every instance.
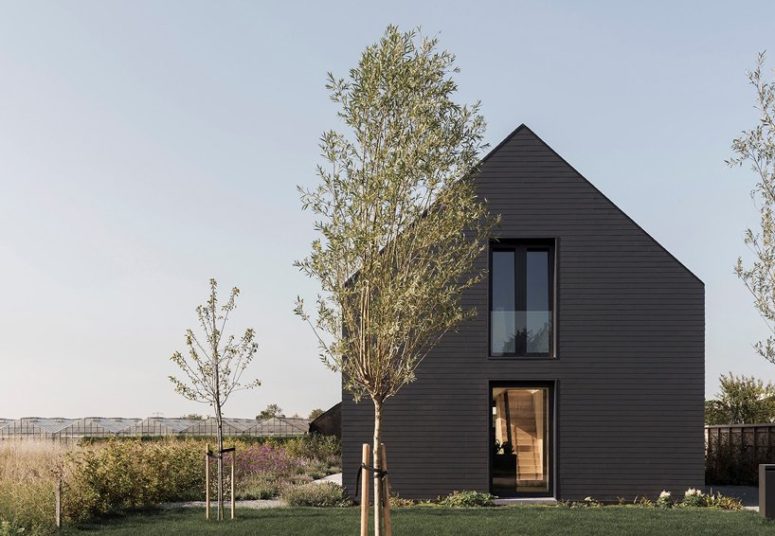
{"x":520,"y":434}
{"x":521,"y":294}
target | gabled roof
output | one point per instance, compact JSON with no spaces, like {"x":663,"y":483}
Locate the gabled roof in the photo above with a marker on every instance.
{"x":209,"y":426}
{"x":525,"y":129}
{"x":35,"y":426}
{"x":278,"y":426}
{"x":97,"y":426}
{"x":158,"y":426}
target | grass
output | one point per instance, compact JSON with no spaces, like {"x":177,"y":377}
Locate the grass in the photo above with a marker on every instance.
{"x":27,"y":480}
{"x":524,"y":520}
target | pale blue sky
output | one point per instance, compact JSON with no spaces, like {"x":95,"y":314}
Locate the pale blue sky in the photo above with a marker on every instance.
{"x":146,"y":146}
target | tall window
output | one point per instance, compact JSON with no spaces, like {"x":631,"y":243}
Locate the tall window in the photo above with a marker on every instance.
{"x":521,"y":297}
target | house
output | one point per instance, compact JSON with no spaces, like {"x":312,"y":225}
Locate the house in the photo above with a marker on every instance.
{"x":582,"y":373}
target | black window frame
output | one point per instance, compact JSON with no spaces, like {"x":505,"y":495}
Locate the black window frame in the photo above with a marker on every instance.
{"x":520,"y":249}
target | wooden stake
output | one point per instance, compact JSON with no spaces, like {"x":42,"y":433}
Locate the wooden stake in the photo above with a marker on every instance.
{"x":58,"y":503}
{"x":207,"y":482}
{"x":233,"y":453}
{"x":386,"y":493}
{"x":365,"y":482}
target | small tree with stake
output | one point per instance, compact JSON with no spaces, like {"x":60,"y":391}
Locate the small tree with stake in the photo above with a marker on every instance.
{"x":400,"y":222}
{"x":215,"y":365}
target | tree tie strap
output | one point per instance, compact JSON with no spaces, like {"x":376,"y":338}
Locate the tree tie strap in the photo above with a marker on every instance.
{"x":380,"y":473}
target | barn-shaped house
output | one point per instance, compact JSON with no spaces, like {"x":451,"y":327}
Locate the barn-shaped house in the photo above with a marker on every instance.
{"x":582,"y":373}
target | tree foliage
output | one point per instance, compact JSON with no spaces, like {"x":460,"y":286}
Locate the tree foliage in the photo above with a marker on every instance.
{"x":399,"y":220}
{"x":272,"y":410}
{"x":215,"y":365}
{"x":757,"y":148}
{"x":742,"y":400}
{"x":315,"y":413}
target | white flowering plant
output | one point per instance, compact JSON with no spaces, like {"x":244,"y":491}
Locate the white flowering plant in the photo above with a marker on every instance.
{"x":694,"y":497}
{"x":664,"y":500}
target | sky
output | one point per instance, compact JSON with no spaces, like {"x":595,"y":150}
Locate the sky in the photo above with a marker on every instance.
{"x":148,"y":146}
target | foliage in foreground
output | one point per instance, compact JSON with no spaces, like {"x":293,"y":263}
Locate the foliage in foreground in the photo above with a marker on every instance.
{"x":325,"y":494}
{"x":467,"y":499}
{"x":109,"y":477}
{"x":399,"y":220}
{"x":546,"y":521}
{"x":756,"y":147}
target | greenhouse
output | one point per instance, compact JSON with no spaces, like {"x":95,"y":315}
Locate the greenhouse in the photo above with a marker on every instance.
{"x":209,"y":427}
{"x":102,"y":427}
{"x":38,"y":427}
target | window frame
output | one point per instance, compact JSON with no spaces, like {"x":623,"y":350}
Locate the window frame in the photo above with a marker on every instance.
{"x":520,"y":248}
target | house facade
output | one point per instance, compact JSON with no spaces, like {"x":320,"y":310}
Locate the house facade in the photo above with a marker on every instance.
{"x":582,"y":373}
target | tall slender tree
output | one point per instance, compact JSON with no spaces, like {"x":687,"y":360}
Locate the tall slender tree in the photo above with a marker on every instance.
{"x":214,"y":367}
{"x":757,"y":148}
{"x":399,"y":220}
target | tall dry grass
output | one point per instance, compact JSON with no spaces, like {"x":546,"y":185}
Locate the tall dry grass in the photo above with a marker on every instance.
{"x":28,"y":471}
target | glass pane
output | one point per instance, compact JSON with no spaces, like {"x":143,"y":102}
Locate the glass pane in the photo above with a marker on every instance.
{"x":520,"y":461}
{"x":538,"y":317}
{"x":502,"y":316}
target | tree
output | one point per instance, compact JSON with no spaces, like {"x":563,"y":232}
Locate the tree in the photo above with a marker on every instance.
{"x":272,"y":410}
{"x":315,"y":413}
{"x":399,"y":220}
{"x":214,"y":367}
{"x":742,"y":400}
{"x":757,"y":148}
{"x":194,"y":417}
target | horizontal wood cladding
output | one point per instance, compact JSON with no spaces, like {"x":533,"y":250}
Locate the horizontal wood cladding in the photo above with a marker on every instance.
{"x":629,"y":369}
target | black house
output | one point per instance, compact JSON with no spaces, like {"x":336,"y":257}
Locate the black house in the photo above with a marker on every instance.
{"x":582,"y":373}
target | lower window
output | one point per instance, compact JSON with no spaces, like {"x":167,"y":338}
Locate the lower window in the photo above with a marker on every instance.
{"x":521,"y":440}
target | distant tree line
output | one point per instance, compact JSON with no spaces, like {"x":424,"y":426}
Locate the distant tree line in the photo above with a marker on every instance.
{"x":741,"y":400}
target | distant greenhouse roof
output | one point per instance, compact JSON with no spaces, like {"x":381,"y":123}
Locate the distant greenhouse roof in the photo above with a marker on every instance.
{"x":61,"y":428}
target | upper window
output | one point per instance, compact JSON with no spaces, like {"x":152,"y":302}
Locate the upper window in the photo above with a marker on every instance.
{"x":521,"y":298}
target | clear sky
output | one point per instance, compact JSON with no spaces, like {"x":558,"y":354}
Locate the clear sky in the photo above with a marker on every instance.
{"x":147,"y":146}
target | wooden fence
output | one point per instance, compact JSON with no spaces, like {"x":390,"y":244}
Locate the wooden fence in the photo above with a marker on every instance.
{"x":733,"y":452}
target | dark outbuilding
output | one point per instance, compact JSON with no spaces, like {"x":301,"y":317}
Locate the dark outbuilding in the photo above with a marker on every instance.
{"x":582,"y":373}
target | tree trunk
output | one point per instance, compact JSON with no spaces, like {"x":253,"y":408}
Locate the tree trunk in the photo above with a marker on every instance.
{"x":219,"y":424}
{"x":376,"y":450}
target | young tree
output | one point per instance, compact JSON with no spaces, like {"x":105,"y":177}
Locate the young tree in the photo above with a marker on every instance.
{"x":757,"y":148}
{"x":742,"y":400}
{"x":400,"y":222}
{"x":272,"y":410}
{"x":214,"y":367}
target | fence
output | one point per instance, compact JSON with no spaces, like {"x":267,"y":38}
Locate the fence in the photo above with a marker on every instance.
{"x":733,"y":452}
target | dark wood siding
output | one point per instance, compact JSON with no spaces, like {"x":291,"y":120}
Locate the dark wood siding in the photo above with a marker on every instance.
{"x":629,"y":370}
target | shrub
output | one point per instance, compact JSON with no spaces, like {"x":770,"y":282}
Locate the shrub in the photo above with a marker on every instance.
{"x":467,"y":499}
{"x":722,"y":502}
{"x":327,"y":449}
{"x":8,"y":528}
{"x":401,"y":502}
{"x":258,"y":488}
{"x":664,"y":500}
{"x":644,"y":501}
{"x":693,"y":497}
{"x":326,"y":494}
{"x":123,"y":475}
{"x":266,"y":459}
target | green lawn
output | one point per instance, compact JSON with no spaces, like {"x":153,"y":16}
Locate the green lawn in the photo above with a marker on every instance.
{"x":611,"y":520}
